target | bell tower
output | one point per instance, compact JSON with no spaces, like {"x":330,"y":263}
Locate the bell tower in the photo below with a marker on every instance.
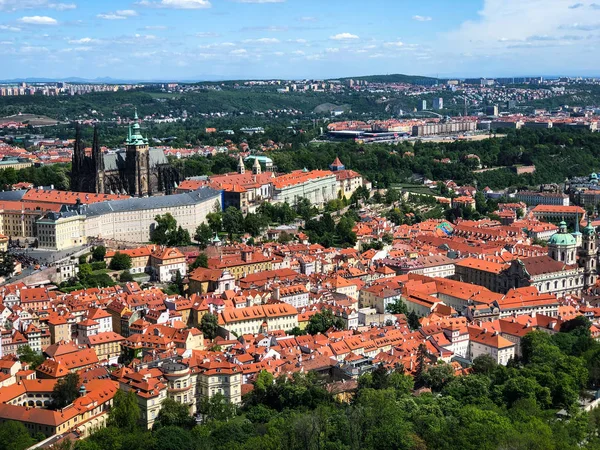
{"x":589,"y":254}
{"x":137,"y":161}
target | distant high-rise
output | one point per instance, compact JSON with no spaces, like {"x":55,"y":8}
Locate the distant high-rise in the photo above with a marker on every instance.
{"x":423,"y":105}
{"x":491,"y":110}
{"x":438,"y":103}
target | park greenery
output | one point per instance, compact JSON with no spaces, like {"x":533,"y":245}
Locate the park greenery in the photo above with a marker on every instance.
{"x":493,"y":407}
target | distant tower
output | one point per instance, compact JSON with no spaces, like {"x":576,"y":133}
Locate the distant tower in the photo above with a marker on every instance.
{"x":256,"y":169}
{"x":589,"y":255}
{"x":562,"y":246}
{"x":241,"y":167}
{"x":137,"y":161}
{"x":76,"y":161}
{"x":98,"y":163}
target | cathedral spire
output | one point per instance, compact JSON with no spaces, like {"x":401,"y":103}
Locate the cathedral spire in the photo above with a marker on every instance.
{"x":97,"y":156}
{"x":241,"y":167}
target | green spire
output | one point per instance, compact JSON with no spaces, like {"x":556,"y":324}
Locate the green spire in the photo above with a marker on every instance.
{"x":135,"y":116}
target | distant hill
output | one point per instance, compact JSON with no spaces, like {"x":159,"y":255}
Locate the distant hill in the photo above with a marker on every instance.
{"x":396,"y":78}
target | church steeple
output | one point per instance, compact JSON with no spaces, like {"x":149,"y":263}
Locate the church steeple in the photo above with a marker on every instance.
{"x":241,"y":167}
{"x":256,"y":169}
{"x":77,"y":160}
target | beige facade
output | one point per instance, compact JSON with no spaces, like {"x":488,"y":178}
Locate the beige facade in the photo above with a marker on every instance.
{"x":61,"y":232}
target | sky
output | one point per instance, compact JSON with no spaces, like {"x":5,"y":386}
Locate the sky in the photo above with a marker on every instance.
{"x":295,"y":39}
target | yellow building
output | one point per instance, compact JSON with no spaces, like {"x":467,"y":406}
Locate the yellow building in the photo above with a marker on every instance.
{"x":60,"y":231}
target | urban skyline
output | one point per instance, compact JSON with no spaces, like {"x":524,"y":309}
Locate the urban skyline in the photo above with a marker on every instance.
{"x":203,"y":40}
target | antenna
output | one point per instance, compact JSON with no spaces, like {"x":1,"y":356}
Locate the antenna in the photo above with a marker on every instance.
{"x":465,"y":106}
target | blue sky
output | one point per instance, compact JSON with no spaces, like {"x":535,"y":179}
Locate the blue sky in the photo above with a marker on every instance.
{"x":232,"y":39}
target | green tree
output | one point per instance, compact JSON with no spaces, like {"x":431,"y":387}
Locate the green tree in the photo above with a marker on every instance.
{"x":209,"y":325}
{"x":119,"y":261}
{"x":125,"y":276}
{"x":203,"y":235}
{"x":397,"y":307}
{"x":14,"y":436}
{"x":200,"y":261}
{"x":7,"y":264}
{"x":166,"y":232}
{"x":233,"y":221}
{"x":173,"y":413}
{"x":125,"y":412}
{"x":215,"y":221}
{"x":65,"y":391}
{"x":98,"y":253}
{"x":27,"y":355}
{"x":323,"y":321}
{"x":216,"y":408}
{"x":438,"y":375}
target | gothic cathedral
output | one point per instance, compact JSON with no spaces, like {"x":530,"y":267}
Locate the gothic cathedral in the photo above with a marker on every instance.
{"x":138,"y":170}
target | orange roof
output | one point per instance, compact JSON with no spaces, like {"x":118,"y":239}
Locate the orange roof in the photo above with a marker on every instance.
{"x":299,"y":177}
{"x":67,"y":197}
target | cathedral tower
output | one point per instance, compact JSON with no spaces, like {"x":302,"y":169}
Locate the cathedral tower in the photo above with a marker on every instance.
{"x":97,"y":163}
{"x":256,"y":169}
{"x":137,"y":161}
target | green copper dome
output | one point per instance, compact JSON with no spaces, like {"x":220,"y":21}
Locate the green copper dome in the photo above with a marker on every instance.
{"x":562,"y":239}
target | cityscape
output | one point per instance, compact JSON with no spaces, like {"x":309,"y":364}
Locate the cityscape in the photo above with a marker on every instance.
{"x":264,"y":224}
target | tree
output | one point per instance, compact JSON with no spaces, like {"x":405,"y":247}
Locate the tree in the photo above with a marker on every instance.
{"x":7,"y":264}
{"x":255,"y":224}
{"x":98,"y":253}
{"x":166,"y":232}
{"x":200,"y":261}
{"x":173,"y":413}
{"x":179,"y":283}
{"x":119,"y":261}
{"x":413,"y":321}
{"x":215,"y":221}
{"x":209,"y":324}
{"x":484,"y":365}
{"x":14,"y":436}
{"x":65,"y":391}
{"x":26,"y":354}
{"x":397,"y":307}
{"x":125,"y":276}
{"x":216,"y":408}
{"x":323,"y":321}
{"x":437,"y":376}
{"x":233,"y":221}
{"x":203,"y":235}
{"x":165,"y":226}
{"x":125,"y":412}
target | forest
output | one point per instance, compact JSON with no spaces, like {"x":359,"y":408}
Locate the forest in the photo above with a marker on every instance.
{"x":493,"y":407}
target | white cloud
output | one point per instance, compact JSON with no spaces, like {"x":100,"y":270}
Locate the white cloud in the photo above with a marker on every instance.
{"x":261,"y":41}
{"x":118,"y":15}
{"x":176,"y":4}
{"x":62,"y":6}
{"x":33,"y":49}
{"x":421,"y":18}
{"x":14,"y":5}
{"x":332,"y":50}
{"x":298,"y":52}
{"x":9,"y":28}
{"x":127,"y":12}
{"x":85,"y":40}
{"x":343,"y":37}
{"x":238,"y":52}
{"x":308,"y":19}
{"x":38,"y":20}
{"x":394,"y":44}
{"x":298,"y":41}
{"x":205,"y":34}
